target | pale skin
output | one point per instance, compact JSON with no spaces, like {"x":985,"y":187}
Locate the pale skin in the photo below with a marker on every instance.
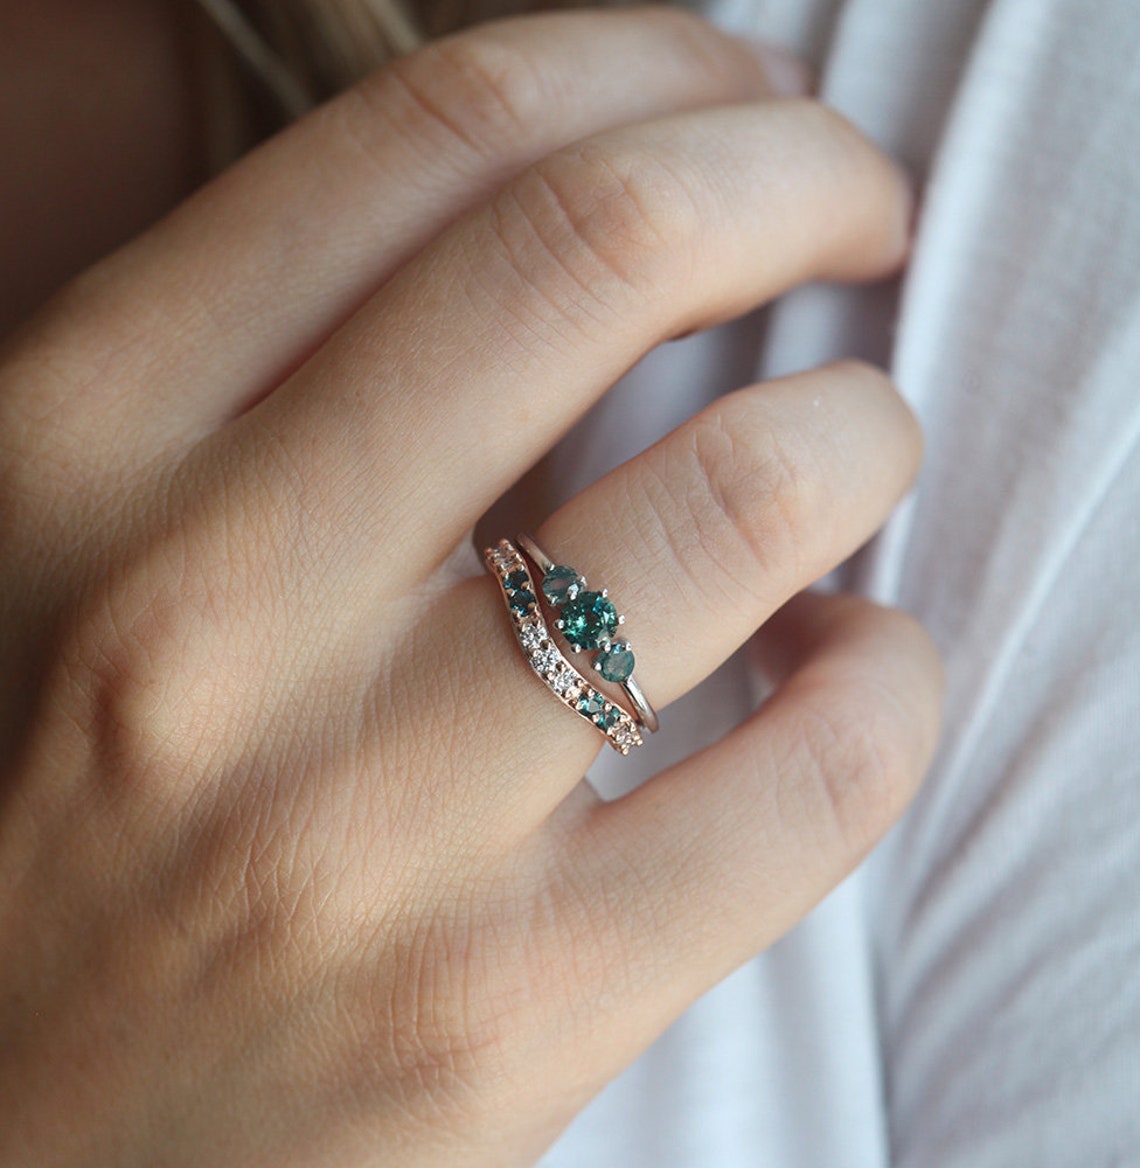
{"x":297,"y":861}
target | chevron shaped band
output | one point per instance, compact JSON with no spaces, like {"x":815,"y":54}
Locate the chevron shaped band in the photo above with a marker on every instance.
{"x":509,"y":567}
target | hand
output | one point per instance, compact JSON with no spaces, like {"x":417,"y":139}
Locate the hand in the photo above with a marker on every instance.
{"x":297,"y":863}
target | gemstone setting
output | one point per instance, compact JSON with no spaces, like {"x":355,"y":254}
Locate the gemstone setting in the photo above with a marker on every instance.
{"x":615,"y":662}
{"x":588,"y":620}
{"x":565,"y":683}
{"x":591,"y":704}
{"x":547,"y":659}
{"x":561,"y":584}
{"x":532,"y":636}
{"x":522,"y":600}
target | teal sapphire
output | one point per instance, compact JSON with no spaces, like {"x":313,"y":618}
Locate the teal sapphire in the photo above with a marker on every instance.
{"x":517,"y":581}
{"x":522,"y":601}
{"x":588,"y":620}
{"x":591,"y":704}
{"x":608,"y":718}
{"x":615,"y":662}
{"x":561,"y":584}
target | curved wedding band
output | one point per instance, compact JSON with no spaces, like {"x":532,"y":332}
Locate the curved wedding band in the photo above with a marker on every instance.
{"x":587,"y":622}
{"x":618,"y":726}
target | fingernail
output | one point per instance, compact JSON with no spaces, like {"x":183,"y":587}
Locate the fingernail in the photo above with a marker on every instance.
{"x":787,"y":75}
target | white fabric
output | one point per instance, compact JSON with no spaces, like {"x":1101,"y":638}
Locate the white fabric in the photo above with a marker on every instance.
{"x":971,"y":997}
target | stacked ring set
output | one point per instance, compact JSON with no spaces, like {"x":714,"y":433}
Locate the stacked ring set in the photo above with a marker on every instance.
{"x":587,"y":622}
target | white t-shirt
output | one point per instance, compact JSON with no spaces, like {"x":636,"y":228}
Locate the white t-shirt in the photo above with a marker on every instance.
{"x":971,"y":997}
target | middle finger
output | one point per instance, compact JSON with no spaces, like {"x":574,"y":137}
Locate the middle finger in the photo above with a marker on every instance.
{"x":475,"y":358}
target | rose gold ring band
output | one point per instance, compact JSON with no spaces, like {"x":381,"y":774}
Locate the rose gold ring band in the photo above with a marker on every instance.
{"x":521,"y":595}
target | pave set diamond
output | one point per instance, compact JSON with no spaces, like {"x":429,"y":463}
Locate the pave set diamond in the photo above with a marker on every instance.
{"x":586,"y":626}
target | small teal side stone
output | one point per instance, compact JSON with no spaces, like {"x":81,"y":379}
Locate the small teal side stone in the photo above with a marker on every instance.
{"x":615,"y":662}
{"x":522,"y":601}
{"x":517,"y":581}
{"x":608,"y":718}
{"x":588,"y":620}
{"x":560,"y":584}
{"x":591,"y":704}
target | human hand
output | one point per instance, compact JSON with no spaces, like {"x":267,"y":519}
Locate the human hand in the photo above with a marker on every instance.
{"x":297,"y":864}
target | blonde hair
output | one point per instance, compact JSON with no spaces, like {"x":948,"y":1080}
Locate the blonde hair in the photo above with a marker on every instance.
{"x":266,"y":62}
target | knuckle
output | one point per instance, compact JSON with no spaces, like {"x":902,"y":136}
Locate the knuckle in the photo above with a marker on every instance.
{"x":164,"y":659}
{"x":131,"y":656}
{"x":748,"y":493}
{"x":478,"y":89}
{"x":858,"y":752}
{"x":606,"y":224}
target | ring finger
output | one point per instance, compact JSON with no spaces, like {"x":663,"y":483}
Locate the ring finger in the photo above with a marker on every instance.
{"x":698,"y":541}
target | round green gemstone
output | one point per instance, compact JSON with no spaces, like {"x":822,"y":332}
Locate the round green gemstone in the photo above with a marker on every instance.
{"x":615,"y":662}
{"x":522,"y":601}
{"x":517,"y":581}
{"x":608,"y":718}
{"x":591,"y":704}
{"x":588,"y":620}
{"x":560,"y":584}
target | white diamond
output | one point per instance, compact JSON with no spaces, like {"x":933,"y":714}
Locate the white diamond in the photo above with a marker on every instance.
{"x":565,"y":684}
{"x":546,"y":659}
{"x":532,"y":636}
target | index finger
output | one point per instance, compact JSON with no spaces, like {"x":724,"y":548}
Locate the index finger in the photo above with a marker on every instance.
{"x":220,"y":300}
